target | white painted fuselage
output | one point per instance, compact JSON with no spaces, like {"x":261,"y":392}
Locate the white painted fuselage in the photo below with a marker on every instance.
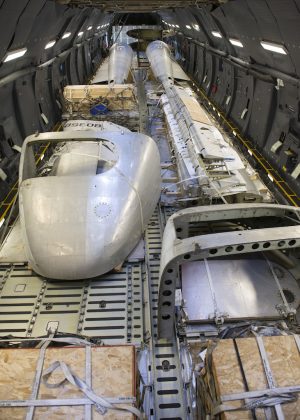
{"x":88,"y":214}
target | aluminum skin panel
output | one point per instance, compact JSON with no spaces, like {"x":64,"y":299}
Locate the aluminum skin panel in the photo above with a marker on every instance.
{"x":120,"y":58}
{"x":158,"y":54}
{"x":79,"y":225}
{"x":244,"y":288}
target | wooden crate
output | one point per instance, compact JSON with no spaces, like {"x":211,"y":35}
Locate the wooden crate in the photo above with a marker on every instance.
{"x":222,"y":374}
{"x":118,"y":96}
{"x":113,"y":375}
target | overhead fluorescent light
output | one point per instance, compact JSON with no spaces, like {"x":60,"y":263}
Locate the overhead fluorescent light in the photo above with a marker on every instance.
{"x":89,"y":28}
{"x":98,"y":27}
{"x":271,"y":46}
{"x":14,"y":54}
{"x":197,"y":27}
{"x":188,"y":27}
{"x":49,"y":44}
{"x":216,"y":34}
{"x":177,"y":26}
{"x":66,"y":35}
{"x":236,"y":42}
{"x":80,"y":33}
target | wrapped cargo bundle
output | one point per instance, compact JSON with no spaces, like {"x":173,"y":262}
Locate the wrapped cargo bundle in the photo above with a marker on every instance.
{"x":250,"y":378}
{"x":80,"y":98}
{"x":68,"y":383}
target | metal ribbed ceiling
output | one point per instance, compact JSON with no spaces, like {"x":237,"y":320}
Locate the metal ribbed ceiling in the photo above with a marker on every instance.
{"x":138,"y":6}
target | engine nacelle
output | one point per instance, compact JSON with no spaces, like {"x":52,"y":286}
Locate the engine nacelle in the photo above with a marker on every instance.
{"x":159,"y":56}
{"x":120,"y":58}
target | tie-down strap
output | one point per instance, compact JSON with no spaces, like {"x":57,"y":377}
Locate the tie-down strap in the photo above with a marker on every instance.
{"x":101,"y":404}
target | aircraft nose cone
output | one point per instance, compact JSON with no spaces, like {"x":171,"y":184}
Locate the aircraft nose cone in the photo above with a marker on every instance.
{"x":84,"y":235}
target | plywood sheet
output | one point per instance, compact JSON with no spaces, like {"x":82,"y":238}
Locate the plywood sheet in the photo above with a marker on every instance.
{"x":113,"y":375}
{"x":284,"y":361}
{"x":228,"y":378}
{"x":84,"y":96}
{"x":195,"y":109}
{"x":94,"y":91}
{"x":223,"y":374}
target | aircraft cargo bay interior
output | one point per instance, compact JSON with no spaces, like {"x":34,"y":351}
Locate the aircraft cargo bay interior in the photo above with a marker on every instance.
{"x":150,"y":209}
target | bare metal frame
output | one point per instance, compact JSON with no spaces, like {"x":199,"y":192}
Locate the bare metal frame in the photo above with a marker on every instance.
{"x":178,"y":247}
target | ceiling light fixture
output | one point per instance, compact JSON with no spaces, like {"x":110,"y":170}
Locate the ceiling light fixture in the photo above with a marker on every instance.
{"x":49,"y":44}
{"x":271,"y":46}
{"x":66,"y":35}
{"x":188,"y":27}
{"x":89,"y":28}
{"x":216,"y":34}
{"x":236,"y":42}
{"x":80,"y":33}
{"x":14,"y":54}
{"x":197,"y":27}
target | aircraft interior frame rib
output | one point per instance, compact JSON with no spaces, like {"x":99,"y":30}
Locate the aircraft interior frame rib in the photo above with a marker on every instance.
{"x":179,"y":247}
